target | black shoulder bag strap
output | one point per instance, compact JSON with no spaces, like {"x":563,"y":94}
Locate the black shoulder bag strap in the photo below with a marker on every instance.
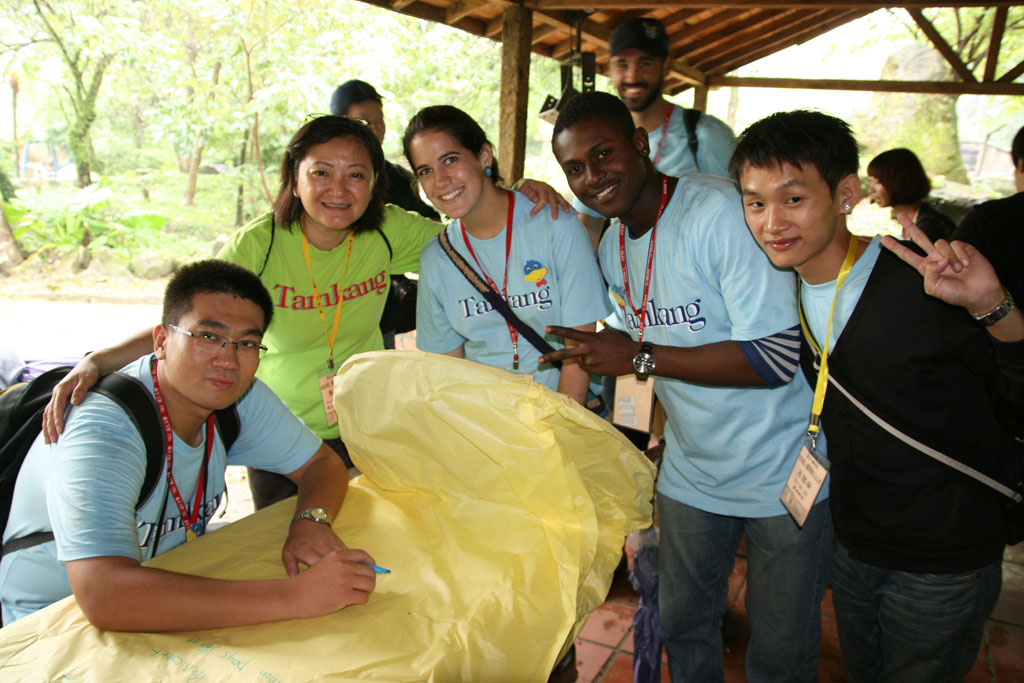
{"x":273,"y":231}
{"x":690,"y":119}
{"x":494,"y":299}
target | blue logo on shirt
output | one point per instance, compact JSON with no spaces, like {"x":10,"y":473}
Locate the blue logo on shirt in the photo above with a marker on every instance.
{"x":534,"y":272}
{"x":472,"y":306}
{"x":656,"y":316}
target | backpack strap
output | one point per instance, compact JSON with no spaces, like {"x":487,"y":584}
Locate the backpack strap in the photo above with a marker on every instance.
{"x":690,"y":119}
{"x":228,"y":425}
{"x":387,"y":243}
{"x":136,"y":400}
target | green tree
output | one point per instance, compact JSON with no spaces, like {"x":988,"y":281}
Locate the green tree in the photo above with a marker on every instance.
{"x":87,"y":36}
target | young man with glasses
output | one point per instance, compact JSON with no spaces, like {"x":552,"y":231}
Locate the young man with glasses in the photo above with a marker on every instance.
{"x":85,"y":488}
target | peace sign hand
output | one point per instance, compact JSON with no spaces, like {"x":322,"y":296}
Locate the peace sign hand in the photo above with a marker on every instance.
{"x":954,"y":272}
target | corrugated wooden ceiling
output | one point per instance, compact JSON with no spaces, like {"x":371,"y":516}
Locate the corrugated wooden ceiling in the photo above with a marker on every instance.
{"x":707,"y":39}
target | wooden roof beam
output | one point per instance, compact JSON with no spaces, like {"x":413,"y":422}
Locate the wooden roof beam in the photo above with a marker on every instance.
{"x":1012,"y":74}
{"x":921,"y":87}
{"x":992,"y":58}
{"x":591,"y":30}
{"x":772,"y":33}
{"x":541,"y":32}
{"x":682,"y":69}
{"x":551,"y":5}
{"x":753,"y":25}
{"x":462,"y":8}
{"x":806,"y":30}
{"x":709,"y":24}
{"x":671,"y":21}
{"x":493,"y":28}
{"x":942,"y":46}
{"x":767,"y":48}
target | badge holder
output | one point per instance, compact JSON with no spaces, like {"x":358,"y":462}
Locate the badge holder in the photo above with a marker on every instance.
{"x":806,"y":480}
{"x":325,"y":378}
{"x":634,"y":403}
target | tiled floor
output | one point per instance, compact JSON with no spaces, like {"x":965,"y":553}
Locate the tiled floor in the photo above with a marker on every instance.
{"x":604,"y":649}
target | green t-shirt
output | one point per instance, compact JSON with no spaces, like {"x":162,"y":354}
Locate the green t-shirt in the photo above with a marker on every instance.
{"x":297,"y":345}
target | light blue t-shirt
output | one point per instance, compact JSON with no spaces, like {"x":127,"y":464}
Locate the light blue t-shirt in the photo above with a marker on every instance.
{"x":715,"y":145}
{"x":552,"y":280}
{"x":85,"y":488}
{"x":817,"y":299}
{"x":728,"y":450}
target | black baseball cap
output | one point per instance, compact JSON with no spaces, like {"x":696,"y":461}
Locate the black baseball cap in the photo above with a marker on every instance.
{"x":642,"y":33}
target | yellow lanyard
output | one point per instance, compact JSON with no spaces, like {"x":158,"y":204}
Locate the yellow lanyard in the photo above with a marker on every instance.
{"x":822,"y":383}
{"x":319,"y":302}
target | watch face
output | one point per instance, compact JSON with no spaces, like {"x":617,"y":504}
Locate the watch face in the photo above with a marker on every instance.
{"x":643,"y":363}
{"x":314,"y":514}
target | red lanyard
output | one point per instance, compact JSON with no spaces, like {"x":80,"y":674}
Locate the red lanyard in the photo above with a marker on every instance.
{"x":642,"y":311}
{"x":664,"y":132}
{"x":191,"y":522}
{"x":513,"y":333}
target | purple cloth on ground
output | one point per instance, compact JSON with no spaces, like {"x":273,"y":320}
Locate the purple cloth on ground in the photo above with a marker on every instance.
{"x":646,"y":627}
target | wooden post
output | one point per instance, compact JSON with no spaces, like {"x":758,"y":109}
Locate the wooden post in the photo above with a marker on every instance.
{"x":516,"y":34}
{"x":700,"y":97}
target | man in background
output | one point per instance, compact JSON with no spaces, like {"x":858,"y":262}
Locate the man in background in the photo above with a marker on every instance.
{"x":681,"y":140}
{"x":996,"y":228}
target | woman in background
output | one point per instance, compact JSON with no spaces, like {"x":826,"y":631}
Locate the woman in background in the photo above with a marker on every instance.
{"x":898,"y":181}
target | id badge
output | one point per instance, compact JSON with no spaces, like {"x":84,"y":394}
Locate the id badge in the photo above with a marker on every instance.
{"x":326,"y":381}
{"x":805,"y":481}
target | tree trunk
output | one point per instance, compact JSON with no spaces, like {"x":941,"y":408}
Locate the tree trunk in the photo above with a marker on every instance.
{"x":14,"y":123}
{"x":78,"y":142}
{"x":193,"y":170}
{"x":240,"y":202}
{"x":10,"y":254}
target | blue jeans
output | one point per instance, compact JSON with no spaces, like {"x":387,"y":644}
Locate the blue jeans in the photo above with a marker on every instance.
{"x":908,"y":626}
{"x":787,"y":575}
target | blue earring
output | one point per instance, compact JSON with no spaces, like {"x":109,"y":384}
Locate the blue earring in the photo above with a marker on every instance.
{"x":487,"y":171}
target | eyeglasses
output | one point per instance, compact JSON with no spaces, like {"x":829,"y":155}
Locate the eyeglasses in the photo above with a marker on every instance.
{"x":310,"y":117}
{"x":210,"y":342}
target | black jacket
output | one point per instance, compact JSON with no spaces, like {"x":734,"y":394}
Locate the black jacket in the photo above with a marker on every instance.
{"x":930,"y":370}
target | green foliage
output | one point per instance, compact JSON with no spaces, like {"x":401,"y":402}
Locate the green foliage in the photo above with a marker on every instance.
{"x":65,"y":220}
{"x":6,"y":188}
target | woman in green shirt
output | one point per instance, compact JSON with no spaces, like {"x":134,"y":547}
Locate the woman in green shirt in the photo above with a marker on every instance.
{"x":325,"y":253}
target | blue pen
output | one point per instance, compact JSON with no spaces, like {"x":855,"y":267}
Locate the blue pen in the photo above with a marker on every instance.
{"x":376,"y":569}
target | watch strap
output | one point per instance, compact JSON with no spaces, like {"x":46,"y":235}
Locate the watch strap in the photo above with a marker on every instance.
{"x":318,"y":515}
{"x":997,"y":313}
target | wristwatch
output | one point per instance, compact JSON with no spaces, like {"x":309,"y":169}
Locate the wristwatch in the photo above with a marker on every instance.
{"x":314,"y":515}
{"x":643,"y":362}
{"x":997,"y":313}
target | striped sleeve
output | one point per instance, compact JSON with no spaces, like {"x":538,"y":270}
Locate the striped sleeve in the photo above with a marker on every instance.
{"x":775,"y":358}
